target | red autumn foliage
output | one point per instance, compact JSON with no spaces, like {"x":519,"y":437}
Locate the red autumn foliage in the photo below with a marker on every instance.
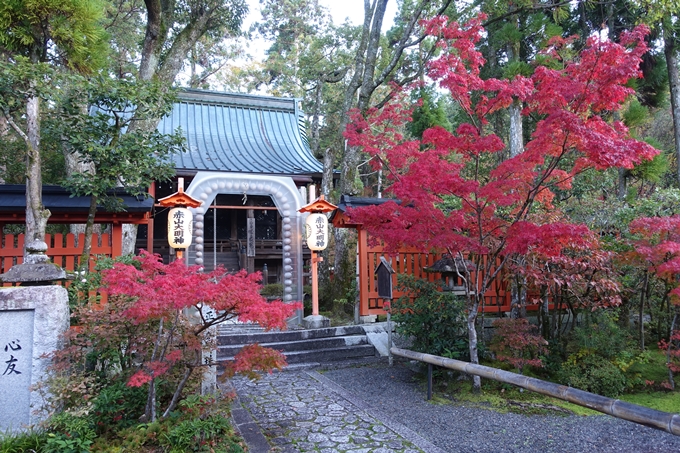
{"x":581,"y":276}
{"x":658,"y":247}
{"x":518,"y":343}
{"x":183,"y":303}
{"x":451,"y":201}
{"x":162,"y":288}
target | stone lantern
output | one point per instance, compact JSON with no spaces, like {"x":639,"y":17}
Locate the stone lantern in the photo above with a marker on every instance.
{"x":451,"y":270}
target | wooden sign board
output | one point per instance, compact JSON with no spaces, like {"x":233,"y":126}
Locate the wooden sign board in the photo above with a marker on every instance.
{"x":250,"y":250}
{"x":384,"y":273}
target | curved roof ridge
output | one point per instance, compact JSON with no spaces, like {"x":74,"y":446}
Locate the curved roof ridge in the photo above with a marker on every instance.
{"x":242,"y":133}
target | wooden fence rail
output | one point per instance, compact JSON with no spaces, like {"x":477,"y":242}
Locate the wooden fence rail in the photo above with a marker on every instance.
{"x":63,"y":249}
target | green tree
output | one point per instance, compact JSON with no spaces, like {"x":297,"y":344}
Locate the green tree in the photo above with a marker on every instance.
{"x":41,"y":37}
{"x":430,"y":113}
{"x":122,"y":159}
{"x":171,"y":31}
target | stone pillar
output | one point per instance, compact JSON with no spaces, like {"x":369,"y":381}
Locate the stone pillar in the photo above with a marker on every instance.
{"x":32,"y":320}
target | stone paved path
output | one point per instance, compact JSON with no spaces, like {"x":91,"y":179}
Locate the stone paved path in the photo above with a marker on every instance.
{"x":302,"y":411}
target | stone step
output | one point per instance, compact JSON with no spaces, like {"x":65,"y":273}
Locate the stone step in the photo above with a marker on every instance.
{"x":301,"y":347}
{"x":260,"y":336}
{"x":228,"y":351}
{"x":318,"y":356}
{"x":331,"y":354}
{"x":228,"y":260}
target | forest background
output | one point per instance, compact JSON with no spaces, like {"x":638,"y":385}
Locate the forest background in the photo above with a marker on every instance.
{"x":60,"y":56}
{"x":380,"y":99}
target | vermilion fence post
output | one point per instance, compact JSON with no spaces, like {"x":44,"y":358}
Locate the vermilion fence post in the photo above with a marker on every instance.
{"x":63,"y":251}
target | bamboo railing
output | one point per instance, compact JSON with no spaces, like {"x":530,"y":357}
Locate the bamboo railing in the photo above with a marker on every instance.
{"x":620,"y":409}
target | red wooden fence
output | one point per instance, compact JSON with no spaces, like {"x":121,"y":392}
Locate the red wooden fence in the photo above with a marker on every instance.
{"x":497,"y":299}
{"x":62,"y":249}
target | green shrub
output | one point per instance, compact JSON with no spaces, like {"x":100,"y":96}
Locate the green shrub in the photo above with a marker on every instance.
{"x":118,"y":406}
{"x":434,"y":320}
{"x":22,"y":442}
{"x":593,"y":373}
{"x":602,"y":334}
{"x":600,"y":352}
{"x":211,"y":434}
{"x":272,"y":290}
{"x":68,"y":433}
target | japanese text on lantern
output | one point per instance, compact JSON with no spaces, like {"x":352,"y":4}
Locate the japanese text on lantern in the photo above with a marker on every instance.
{"x":320,"y":233}
{"x":179,"y":228}
{"x":316,"y":231}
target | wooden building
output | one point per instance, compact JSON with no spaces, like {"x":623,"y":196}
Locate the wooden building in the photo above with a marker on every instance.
{"x":65,"y":249}
{"x":248,"y":160}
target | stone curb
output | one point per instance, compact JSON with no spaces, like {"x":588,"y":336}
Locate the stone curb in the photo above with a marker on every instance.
{"x":248,"y":428}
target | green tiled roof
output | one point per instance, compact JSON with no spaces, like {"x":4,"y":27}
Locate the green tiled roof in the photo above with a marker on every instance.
{"x":240,"y":133}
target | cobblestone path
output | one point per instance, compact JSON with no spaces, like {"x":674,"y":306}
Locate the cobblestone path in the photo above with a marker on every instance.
{"x":301,"y":411}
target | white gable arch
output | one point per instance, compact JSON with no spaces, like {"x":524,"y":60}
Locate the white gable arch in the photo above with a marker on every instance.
{"x":207,"y":185}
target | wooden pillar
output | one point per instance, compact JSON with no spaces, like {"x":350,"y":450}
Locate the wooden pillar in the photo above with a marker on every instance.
{"x":149,"y":223}
{"x":362,"y":262}
{"x":116,"y":240}
{"x":316,"y":259}
{"x":233,"y":230}
{"x":250,"y":228}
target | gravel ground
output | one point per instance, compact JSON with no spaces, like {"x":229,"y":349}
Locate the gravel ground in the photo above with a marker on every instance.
{"x":398,"y":394}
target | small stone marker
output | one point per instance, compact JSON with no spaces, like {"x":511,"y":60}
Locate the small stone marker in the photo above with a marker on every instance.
{"x":32,"y":319}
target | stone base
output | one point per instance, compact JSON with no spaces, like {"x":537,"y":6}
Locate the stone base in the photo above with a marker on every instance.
{"x":316,"y":322}
{"x":378,"y":337}
{"x":368,"y":319}
{"x":34,"y":273}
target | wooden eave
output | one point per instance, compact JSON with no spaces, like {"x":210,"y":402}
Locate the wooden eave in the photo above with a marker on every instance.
{"x":340,"y":219}
{"x":139,"y":218}
{"x":319,"y":205}
{"x":179,"y":198}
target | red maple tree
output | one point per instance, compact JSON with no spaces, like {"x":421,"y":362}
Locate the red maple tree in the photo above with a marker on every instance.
{"x":449,"y":202}
{"x":184,"y":303}
{"x":657,"y":248}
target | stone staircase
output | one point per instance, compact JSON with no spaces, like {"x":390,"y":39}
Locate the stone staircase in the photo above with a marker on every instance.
{"x":227,"y":259}
{"x":306,"y":348}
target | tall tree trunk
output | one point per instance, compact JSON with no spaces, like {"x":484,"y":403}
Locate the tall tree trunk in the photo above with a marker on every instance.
{"x":670,"y":50}
{"x":516,"y":145}
{"x":668,"y":352}
{"x":74,"y":165}
{"x":314,"y":135}
{"x":87,"y":242}
{"x":350,"y":156}
{"x":621,"y":187}
{"x":641,"y":312}
{"x":472,"y":339}
{"x":4,"y":136}
{"x":516,"y":129}
{"x":516,"y":139}
{"x":327,"y":177}
{"x":36,"y":214}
